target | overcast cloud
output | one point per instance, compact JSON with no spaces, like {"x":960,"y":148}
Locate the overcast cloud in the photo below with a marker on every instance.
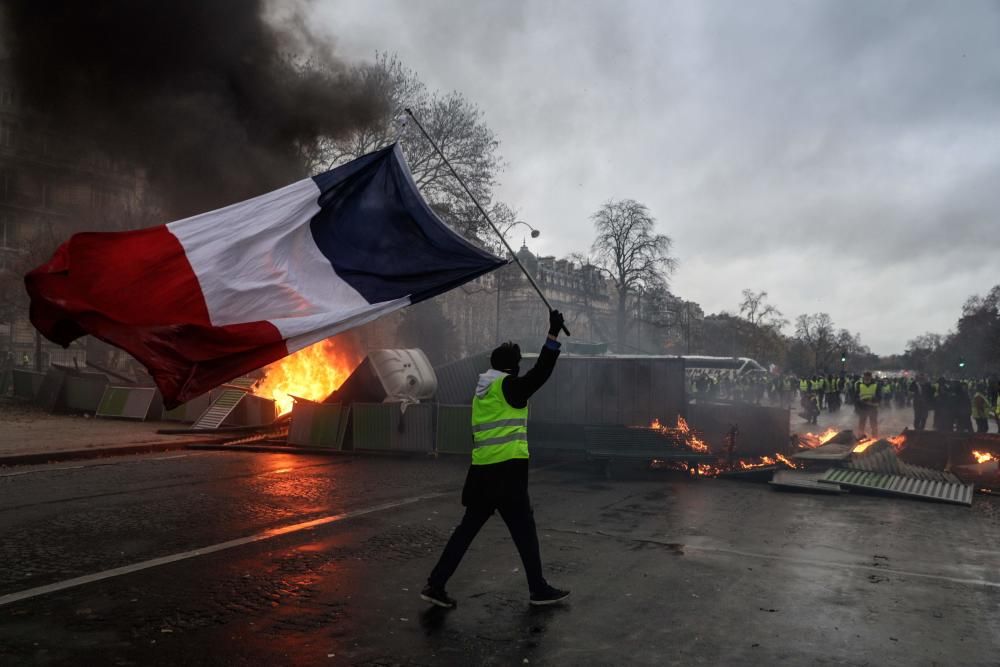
{"x":843,"y":156}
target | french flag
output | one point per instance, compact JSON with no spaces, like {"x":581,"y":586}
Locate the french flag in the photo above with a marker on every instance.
{"x":206,"y":299}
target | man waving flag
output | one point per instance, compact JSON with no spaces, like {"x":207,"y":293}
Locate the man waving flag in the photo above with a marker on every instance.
{"x":205,"y":299}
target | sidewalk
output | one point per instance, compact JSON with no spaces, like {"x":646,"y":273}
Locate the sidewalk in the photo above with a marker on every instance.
{"x":28,"y":434}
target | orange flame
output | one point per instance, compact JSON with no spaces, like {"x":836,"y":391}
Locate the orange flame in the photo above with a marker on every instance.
{"x":983,"y":457}
{"x":693,"y":441}
{"x":312,"y":373}
{"x":784,"y":459}
{"x":744,"y":464}
{"x":897,"y":442}
{"x":810,"y":440}
{"x":863,"y":445}
{"x":682,"y":429}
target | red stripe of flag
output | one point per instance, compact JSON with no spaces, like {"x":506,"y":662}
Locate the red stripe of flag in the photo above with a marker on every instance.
{"x":136,"y":290}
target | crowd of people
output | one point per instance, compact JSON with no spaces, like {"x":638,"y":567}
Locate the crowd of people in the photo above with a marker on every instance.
{"x":944,"y":404}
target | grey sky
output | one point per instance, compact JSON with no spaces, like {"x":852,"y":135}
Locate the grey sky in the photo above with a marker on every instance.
{"x":844,"y":155}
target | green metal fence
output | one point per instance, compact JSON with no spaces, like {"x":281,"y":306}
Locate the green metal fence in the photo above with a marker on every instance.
{"x":390,"y":427}
{"x":454,"y":429}
{"x":318,"y":425}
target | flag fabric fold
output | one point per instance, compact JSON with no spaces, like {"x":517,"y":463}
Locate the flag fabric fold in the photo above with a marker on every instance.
{"x":205,"y":299}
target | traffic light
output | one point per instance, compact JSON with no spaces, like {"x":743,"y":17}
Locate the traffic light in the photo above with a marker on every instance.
{"x":843,"y":356}
{"x":961,"y":362}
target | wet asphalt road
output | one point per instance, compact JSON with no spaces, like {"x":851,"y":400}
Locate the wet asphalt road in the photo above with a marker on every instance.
{"x":664,"y":569}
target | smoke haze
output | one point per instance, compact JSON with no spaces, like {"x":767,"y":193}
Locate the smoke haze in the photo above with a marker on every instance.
{"x":211,"y":98}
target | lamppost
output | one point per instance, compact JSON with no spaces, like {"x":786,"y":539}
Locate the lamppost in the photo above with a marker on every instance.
{"x":534,"y":234}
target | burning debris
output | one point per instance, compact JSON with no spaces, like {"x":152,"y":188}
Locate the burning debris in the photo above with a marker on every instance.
{"x":685,"y":436}
{"x":983,"y":457}
{"x":833,"y":462}
{"x":682,"y":433}
{"x":875,"y":466}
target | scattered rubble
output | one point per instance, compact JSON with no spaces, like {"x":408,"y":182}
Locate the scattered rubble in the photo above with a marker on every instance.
{"x":844,"y":462}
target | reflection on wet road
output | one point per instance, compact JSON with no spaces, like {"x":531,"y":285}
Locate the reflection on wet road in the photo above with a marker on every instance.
{"x":321,"y":560}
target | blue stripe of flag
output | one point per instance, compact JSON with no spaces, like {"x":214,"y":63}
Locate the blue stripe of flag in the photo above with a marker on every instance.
{"x":383,"y":239}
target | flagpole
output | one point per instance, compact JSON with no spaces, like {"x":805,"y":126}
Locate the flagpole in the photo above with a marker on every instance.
{"x":483,"y":211}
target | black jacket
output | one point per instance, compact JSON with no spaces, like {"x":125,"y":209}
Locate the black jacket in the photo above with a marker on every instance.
{"x":517,"y":390}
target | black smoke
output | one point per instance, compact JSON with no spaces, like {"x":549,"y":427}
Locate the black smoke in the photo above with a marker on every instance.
{"x":212,"y":99}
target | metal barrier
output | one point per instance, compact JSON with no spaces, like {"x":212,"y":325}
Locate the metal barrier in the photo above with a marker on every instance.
{"x":318,"y":425}
{"x":388,"y":427}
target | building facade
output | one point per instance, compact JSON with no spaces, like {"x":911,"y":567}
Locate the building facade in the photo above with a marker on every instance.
{"x":50,"y":188}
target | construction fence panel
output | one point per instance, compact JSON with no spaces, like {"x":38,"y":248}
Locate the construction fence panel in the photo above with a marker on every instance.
{"x":83,"y":392}
{"x":27,"y":383}
{"x":388,"y":427}
{"x":454,"y":429}
{"x":317,"y":425}
{"x":252,"y":411}
{"x":128,"y":402}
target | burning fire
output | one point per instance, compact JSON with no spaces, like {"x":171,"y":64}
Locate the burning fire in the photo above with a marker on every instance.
{"x":983,"y":457}
{"x":863,"y":445}
{"x":312,"y":373}
{"x":750,"y":465}
{"x":811,"y":440}
{"x":682,"y":429}
{"x":897,"y":441}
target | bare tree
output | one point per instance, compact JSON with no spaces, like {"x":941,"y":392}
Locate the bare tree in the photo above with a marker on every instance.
{"x":457,"y":127}
{"x":817,"y":333}
{"x":630,"y":252}
{"x":763,"y":323}
{"x":758,"y":312}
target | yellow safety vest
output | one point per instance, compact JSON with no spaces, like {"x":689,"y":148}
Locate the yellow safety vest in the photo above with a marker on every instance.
{"x":803,"y":385}
{"x":867,"y":392}
{"x":499,"y":430}
{"x":983,"y":412}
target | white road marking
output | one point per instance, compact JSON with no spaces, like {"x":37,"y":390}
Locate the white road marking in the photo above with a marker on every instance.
{"x":194,"y":553}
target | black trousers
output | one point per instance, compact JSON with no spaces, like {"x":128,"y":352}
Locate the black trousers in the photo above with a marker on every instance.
{"x":919,"y":417}
{"x":502,"y":488}
{"x":982,"y":425}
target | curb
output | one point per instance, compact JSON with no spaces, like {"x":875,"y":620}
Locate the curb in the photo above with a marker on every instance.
{"x":275,"y":449}
{"x":95,"y":453}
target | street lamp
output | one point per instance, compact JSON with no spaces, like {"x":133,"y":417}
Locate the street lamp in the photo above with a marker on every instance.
{"x":534,"y":234}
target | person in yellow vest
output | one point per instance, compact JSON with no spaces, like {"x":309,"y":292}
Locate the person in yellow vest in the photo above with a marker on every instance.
{"x":981,"y":410}
{"x":867,"y":404}
{"x":816,"y":387}
{"x":996,"y":413}
{"x":498,"y":477}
